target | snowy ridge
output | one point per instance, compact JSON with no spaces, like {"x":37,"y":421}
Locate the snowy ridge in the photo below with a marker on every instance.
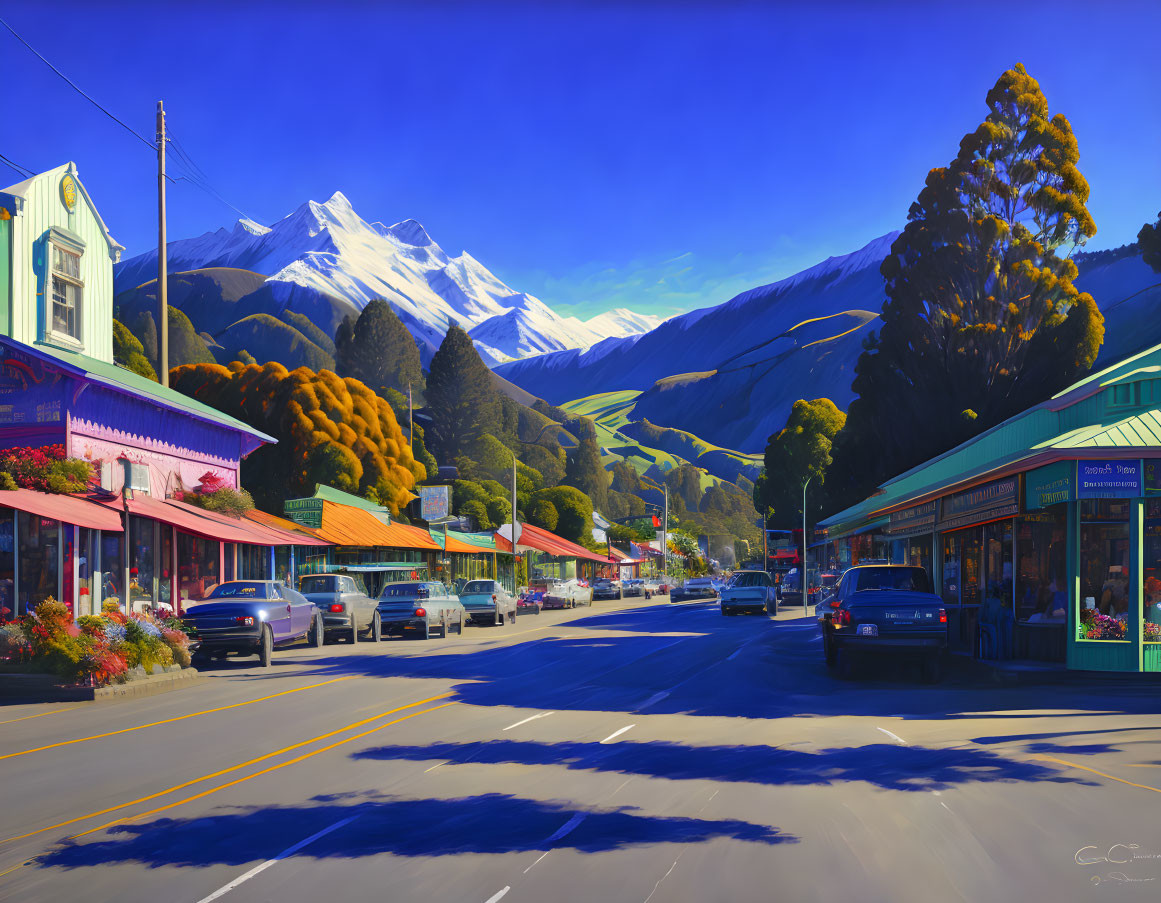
{"x":330,"y":249}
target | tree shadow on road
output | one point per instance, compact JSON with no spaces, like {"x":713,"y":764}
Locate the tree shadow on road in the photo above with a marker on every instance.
{"x":890,"y":767}
{"x":491,"y":823}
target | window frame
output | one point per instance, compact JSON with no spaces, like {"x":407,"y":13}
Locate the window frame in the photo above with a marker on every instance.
{"x":59,"y":241}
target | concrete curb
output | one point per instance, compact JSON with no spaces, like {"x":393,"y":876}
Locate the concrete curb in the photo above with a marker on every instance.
{"x":1034,"y":674}
{"x":43,"y":687}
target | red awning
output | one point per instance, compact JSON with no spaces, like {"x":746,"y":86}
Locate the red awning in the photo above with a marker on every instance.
{"x":261,"y":534}
{"x":66,"y":508}
{"x":543,"y":541}
{"x":187,"y":521}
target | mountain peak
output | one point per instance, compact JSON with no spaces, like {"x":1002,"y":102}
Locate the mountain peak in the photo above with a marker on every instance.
{"x":411,"y":232}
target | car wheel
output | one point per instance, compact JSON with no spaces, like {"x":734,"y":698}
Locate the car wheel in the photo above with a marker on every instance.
{"x":828,"y":650}
{"x":317,"y":632}
{"x":376,"y":628}
{"x":266,"y":646}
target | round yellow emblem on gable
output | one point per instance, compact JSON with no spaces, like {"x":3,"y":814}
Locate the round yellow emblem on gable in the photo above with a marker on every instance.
{"x":68,"y":192}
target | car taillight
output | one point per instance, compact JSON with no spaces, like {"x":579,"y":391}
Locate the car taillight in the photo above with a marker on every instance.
{"x":336,"y":606}
{"x":841,"y":618}
{"x":244,"y":620}
{"x":493,"y":598}
{"x":835,"y":603}
{"x":942,"y":616}
{"x":421,"y":612}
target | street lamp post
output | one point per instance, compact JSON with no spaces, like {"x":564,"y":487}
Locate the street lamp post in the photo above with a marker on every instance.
{"x":804,"y":541}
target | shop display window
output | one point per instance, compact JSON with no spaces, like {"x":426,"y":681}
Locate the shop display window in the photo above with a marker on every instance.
{"x":7,"y":564}
{"x":919,"y":553}
{"x":112,"y":563}
{"x":1041,"y":578}
{"x":39,"y":560}
{"x":951,"y":583}
{"x":1106,"y":584}
{"x":197,"y":567}
{"x":1151,"y":572}
{"x":142,"y":583}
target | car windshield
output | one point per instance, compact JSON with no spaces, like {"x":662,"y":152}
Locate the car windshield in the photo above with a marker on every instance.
{"x":478,"y":586}
{"x":749,"y":579}
{"x":319,"y":583}
{"x":891,"y":578}
{"x":242,"y":590}
{"x":401,"y":590}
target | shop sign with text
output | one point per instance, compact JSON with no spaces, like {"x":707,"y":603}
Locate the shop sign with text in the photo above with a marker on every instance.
{"x":913,"y":521}
{"x":307,"y":512}
{"x":1000,"y":498}
{"x":1050,"y":485}
{"x":1108,"y":479}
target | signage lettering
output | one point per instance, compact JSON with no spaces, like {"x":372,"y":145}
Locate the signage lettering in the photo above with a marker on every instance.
{"x":1108,"y":479}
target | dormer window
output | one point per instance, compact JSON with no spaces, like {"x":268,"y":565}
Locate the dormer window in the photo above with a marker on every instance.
{"x":67,"y":293}
{"x":1136,"y":394}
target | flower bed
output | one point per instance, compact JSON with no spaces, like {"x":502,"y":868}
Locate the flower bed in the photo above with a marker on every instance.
{"x":1095,"y":626}
{"x":94,"y":650}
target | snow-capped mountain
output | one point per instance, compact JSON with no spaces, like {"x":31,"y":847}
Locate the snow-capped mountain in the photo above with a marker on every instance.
{"x":329,"y":249}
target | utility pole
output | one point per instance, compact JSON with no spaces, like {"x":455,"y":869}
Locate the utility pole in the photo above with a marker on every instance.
{"x":665,"y":540}
{"x":765,"y":546}
{"x":411,"y":420}
{"x":804,"y":544}
{"x":162,"y":275}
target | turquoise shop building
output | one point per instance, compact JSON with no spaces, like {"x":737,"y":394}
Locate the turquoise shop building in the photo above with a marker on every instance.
{"x":1042,"y":534}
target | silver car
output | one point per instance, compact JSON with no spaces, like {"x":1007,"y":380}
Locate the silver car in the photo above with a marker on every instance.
{"x":487,"y":602}
{"x":346,"y":608}
{"x":419,"y":609}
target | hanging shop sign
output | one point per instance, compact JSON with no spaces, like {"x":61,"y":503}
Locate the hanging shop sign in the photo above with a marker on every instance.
{"x":307,"y":512}
{"x":914,"y":521}
{"x":1108,"y":479}
{"x":1050,"y":485}
{"x":1152,"y":475}
{"x":434,"y":502}
{"x":1000,"y":498}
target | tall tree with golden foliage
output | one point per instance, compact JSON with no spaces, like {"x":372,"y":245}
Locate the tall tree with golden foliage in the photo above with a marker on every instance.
{"x":982,"y":319}
{"x":330,"y":430}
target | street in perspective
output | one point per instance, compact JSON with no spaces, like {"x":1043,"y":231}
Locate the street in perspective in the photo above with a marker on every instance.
{"x":776,"y":515}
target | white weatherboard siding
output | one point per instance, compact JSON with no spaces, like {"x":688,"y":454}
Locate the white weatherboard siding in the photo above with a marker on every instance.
{"x":40,"y":208}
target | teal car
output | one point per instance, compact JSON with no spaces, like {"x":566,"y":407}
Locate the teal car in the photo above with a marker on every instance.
{"x":487,"y":602}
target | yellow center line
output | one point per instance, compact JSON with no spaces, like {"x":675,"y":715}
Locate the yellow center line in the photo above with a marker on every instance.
{"x":1094,"y":771}
{"x":218,"y":774}
{"x":250,"y":777}
{"x":41,"y":715}
{"x":141,"y":727}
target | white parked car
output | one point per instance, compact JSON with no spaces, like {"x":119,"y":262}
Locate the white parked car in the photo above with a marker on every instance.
{"x":751,"y":591}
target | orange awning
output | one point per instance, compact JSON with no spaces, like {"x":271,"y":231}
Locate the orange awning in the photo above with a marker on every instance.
{"x":66,"y":508}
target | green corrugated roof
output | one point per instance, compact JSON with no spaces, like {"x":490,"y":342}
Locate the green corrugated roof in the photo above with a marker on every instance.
{"x":127,"y":381}
{"x":1029,"y":434}
{"x":484,"y":541}
{"x":330,"y":494}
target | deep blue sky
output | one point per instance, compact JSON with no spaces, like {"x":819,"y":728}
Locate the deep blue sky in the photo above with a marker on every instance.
{"x":661,"y":156}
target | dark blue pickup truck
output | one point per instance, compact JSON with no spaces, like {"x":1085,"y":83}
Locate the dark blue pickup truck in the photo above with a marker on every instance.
{"x":885,"y":609}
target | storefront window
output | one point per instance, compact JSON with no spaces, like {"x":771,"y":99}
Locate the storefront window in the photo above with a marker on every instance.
{"x":971,"y":564}
{"x":197,"y":567}
{"x":229,"y":551}
{"x":898,"y":551}
{"x":39,"y":557}
{"x":7,"y":565}
{"x":113,"y":567}
{"x":1041,"y":580}
{"x":1105,"y":580}
{"x":165,"y":567}
{"x":1152,"y":572}
{"x":282,"y":568}
{"x":252,"y":562}
{"x":919,"y":553}
{"x":142,"y":563}
{"x":86,"y":567}
{"x":951,"y":586}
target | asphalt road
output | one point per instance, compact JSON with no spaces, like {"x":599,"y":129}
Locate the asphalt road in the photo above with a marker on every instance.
{"x":655,"y":753}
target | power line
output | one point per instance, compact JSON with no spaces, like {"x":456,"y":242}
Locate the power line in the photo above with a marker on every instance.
{"x":194,"y":174}
{"x":24,"y":171}
{"x":76,"y":88}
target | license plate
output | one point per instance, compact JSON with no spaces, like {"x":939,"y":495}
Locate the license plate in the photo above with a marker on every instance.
{"x":868,"y":630}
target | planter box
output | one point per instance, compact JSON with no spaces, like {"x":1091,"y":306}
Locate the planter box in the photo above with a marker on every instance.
{"x":48,"y":688}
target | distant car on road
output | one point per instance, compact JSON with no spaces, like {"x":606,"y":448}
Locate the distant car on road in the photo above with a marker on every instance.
{"x":633,"y":586}
{"x":346,"y":608}
{"x":749,"y":591}
{"x":604,"y":588}
{"x":887,"y":609}
{"x":530,"y":602}
{"x":568,"y":594}
{"x":419,"y":609}
{"x":252,"y":617}
{"x":487,"y":602}
{"x":693,"y":588}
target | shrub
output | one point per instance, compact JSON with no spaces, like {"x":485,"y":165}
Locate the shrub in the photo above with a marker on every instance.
{"x":44,"y":469}
{"x":234,"y":502}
